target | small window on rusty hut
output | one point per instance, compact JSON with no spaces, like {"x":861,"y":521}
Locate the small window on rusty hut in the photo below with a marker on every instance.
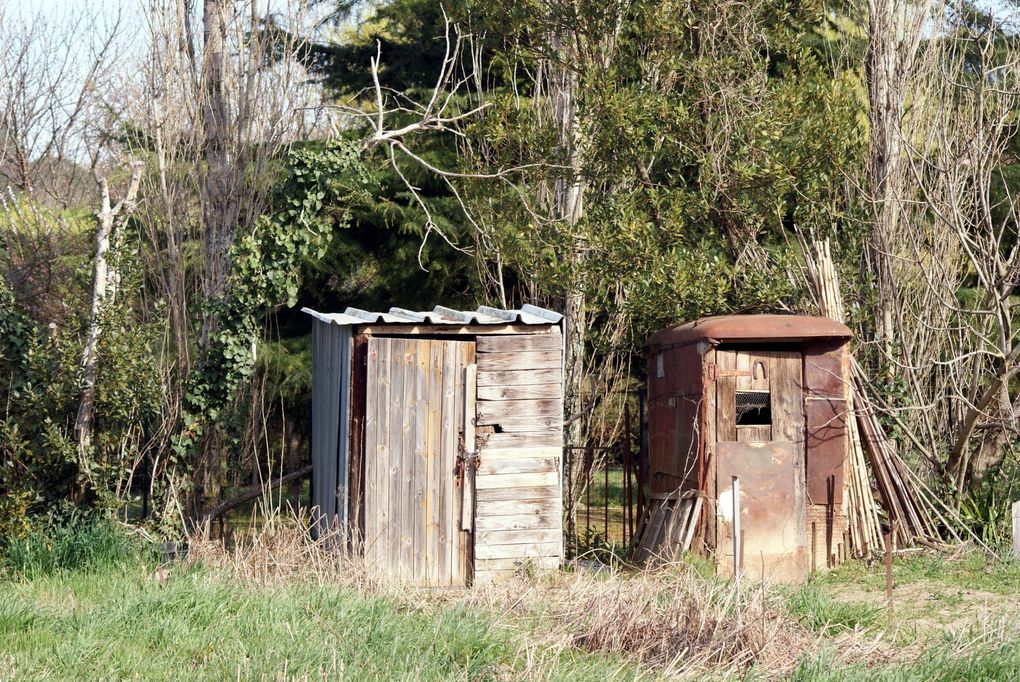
{"x":754,"y":408}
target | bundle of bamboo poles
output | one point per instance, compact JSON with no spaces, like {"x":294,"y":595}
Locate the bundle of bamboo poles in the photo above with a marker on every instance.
{"x":909,"y":505}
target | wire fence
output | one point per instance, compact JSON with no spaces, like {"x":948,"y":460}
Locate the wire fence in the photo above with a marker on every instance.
{"x":604,"y":495}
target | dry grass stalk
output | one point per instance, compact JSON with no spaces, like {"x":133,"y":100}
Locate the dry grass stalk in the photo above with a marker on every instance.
{"x":669,"y":621}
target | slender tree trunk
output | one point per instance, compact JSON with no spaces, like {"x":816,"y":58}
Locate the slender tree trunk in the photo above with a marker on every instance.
{"x":109,"y":219}
{"x":219,"y":201}
{"x":885,"y":112}
{"x":220,"y":210}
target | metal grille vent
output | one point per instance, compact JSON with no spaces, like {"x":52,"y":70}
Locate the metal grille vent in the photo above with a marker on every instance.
{"x":754,"y":408}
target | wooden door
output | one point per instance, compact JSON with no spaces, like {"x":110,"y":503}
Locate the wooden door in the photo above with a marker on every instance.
{"x":415,"y":417}
{"x":760,"y":439}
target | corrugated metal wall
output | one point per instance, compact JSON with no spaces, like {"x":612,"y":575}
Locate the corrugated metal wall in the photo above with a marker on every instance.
{"x":331,"y":386}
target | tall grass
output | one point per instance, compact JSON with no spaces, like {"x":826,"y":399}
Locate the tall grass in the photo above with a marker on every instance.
{"x":78,"y":543}
{"x":83,"y":602}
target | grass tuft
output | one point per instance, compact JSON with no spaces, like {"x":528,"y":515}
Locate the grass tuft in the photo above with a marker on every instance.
{"x":80,"y":543}
{"x":820,"y":612}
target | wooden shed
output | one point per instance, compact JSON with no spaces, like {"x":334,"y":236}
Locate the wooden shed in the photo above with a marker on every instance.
{"x":758,"y":397}
{"x":437,"y":439}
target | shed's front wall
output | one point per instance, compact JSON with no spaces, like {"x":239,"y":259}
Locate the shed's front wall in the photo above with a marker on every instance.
{"x":519,"y":510}
{"x":684,"y":438}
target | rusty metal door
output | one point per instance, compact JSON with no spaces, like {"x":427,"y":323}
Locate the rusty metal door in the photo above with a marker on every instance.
{"x":416,"y":402}
{"x":760,"y":439}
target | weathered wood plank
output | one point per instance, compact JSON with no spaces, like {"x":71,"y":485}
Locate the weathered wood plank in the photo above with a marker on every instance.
{"x":520,"y":342}
{"x":416,"y":458}
{"x":787,"y":372}
{"x":725,"y":392}
{"x":378,"y":453}
{"x":470,"y":412}
{"x":517,"y":480}
{"x":552,"y":437}
{"x":548,"y":492}
{"x":537,"y":452}
{"x":372,"y":446}
{"x":523,"y":377}
{"x":463,"y":545}
{"x":529,"y":424}
{"x":496,"y":412}
{"x":511,"y":551}
{"x":400,"y":423}
{"x":524,"y":360}
{"x":1016,"y":529}
{"x":523,"y":392}
{"x":519,"y":537}
{"x":531,"y":465}
{"x":547,"y":505}
{"x":517,"y":522}
{"x":437,"y":572}
{"x":448,"y":367}
{"x":490,"y":577}
{"x":513,"y":563}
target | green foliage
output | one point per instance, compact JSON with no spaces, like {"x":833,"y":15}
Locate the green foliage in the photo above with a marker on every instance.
{"x":40,"y":365}
{"x":69,"y":542}
{"x":310,"y":205}
{"x":987,"y":511}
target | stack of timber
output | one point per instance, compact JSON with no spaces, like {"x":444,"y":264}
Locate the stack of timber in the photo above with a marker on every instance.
{"x":909,"y":505}
{"x":670,"y":528}
{"x":519,"y":408}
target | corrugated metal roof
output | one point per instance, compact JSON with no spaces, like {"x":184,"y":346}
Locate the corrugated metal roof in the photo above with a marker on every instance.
{"x":751,"y":328}
{"x":526,"y":314}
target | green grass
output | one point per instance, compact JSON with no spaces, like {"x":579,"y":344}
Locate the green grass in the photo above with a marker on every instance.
{"x":108,"y":618}
{"x":818,"y":611}
{"x":974,"y":570}
{"x":935,"y":665}
{"x":79,"y":543}
{"x":84,"y":603}
{"x":199,"y":626}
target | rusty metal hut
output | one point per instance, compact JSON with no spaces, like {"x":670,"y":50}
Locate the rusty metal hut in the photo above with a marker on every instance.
{"x":758,"y":397}
{"x":437,"y":439}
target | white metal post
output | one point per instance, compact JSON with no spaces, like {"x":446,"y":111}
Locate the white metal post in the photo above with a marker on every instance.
{"x":1016,"y":529}
{"x":736,"y":529}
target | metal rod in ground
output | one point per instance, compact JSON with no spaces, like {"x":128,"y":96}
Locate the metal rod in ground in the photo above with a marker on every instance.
{"x":588,"y":457}
{"x":888,"y":573}
{"x":737,"y":549}
{"x":605,"y":491}
{"x":736,"y":530}
{"x":628,"y":517}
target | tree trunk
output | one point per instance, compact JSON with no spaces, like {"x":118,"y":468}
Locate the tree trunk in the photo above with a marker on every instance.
{"x":109,"y":219}
{"x":220,"y":207}
{"x":885,"y":112}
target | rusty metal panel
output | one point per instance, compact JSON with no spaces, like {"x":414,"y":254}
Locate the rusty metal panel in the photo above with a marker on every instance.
{"x":825,"y":383}
{"x":823,"y":369}
{"x":674,"y":432}
{"x":745,"y":328}
{"x":661,"y":439}
{"x":675,"y":371}
{"x":772,"y":509}
{"x":675,"y":386}
{"x":826,"y":449}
